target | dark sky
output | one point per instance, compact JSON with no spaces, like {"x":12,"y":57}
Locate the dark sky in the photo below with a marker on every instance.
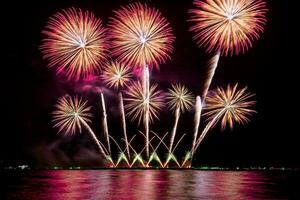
{"x":30,"y":89}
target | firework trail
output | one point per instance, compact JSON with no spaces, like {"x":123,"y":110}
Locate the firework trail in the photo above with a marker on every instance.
{"x":206,"y":129}
{"x":138,"y":156}
{"x":93,"y":136}
{"x":104,"y":122}
{"x":180,"y":100}
{"x":140,"y":106}
{"x":171,"y":156}
{"x":121,"y":156}
{"x":124,"y":123}
{"x":229,"y":106}
{"x":118,"y":75}
{"x":226,"y":27}
{"x":212,"y":66}
{"x":71,"y":113}
{"x":146,"y":87}
{"x":154,"y":155}
{"x":177,"y":115}
{"x":197,"y":119}
{"x":74,"y":43}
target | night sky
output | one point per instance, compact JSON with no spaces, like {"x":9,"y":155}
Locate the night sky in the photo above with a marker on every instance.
{"x":30,"y":90}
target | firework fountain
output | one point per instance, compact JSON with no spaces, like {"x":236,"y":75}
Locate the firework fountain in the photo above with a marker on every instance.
{"x":118,"y":75}
{"x":141,"y":37}
{"x":180,"y":99}
{"x":76,"y":45}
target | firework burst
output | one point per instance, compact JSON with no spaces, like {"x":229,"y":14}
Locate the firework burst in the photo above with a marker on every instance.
{"x":140,"y":36}
{"x":230,"y":105}
{"x":228,"y":26}
{"x":74,"y":43}
{"x":116,"y":75}
{"x":179,"y":99}
{"x":137,"y":102}
{"x":69,"y":114}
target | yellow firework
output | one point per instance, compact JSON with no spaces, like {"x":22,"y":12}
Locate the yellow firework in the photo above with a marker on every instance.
{"x":179,"y":97}
{"x":137,"y":102}
{"x":230,"y":106}
{"x":140,"y":36}
{"x":70,"y":113}
{"x":75,"y":43}
{"x":116,"y":75}
{"x":228,"y":26}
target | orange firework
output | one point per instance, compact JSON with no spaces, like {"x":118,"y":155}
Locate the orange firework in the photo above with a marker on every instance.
{"x":116,"y":75}
{"x":228,"y":26}
{"x":140,"y":36}
{"x":229,"y":106}
{"x":70,"y":114}
{"x":75,"y":43}
{"x":179,"y":98}
{"x":137,"y":102}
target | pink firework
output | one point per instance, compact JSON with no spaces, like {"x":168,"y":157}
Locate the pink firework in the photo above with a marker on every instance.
{"x":140,"y":36}
{"x":75,"y":43}
{"x":228,"y":26}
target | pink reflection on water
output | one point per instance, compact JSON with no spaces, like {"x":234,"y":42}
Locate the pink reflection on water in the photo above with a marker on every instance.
{"x":146,"y":184}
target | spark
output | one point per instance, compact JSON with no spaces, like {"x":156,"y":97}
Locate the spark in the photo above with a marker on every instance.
{"x":75,"y":43}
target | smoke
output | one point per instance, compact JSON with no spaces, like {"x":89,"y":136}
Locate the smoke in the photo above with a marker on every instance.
{"x":67,"y":151}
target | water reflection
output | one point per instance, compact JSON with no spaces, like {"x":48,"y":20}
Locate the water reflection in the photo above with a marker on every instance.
{"x":146,"y":184}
